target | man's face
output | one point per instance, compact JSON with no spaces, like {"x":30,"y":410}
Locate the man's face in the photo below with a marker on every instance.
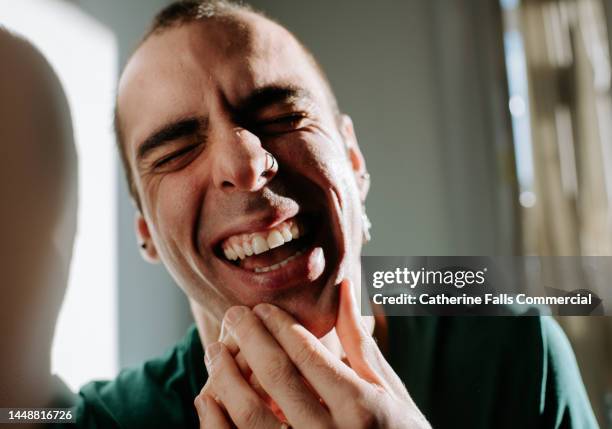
{"x":200,"y":105}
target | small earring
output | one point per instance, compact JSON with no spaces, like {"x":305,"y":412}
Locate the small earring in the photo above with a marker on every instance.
{"x":143,"y":245}
{"x":366,"y":225}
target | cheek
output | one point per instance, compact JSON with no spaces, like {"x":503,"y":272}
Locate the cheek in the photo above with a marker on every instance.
{"x":172,"y":202}
{"x":316,"y":156}
{"x":324,"y":161}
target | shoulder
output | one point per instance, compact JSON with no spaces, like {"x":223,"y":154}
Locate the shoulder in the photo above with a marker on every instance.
{"x":564,"y":401}
{"x":491,"y":371}
{"x":158,"y":393}
{"x":535,"y":366}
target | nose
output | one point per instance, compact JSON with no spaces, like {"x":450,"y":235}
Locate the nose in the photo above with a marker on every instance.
{"x":241,"y":163}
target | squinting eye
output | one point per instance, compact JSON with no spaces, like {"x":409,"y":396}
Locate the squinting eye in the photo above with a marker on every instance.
{"x":173,"y":156}
{"x":283,"y":124}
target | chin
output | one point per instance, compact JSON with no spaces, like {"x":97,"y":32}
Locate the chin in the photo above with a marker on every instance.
{"x":317,"y":312}
{"x":321,"y":325}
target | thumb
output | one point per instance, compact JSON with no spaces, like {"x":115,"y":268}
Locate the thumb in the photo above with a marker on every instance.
{"x":361,"y":349}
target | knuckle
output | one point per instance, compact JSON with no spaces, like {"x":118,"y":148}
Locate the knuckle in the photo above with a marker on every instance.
{"x":274,"y":321}
{"x":367,"y":420}
{"x":362,"y":419}
{"x":316,"y":417}
{"x":305,"y":355}
{"x":198,"y":401}
{"x":216,"y":383}
{"x":279,"y":370}
{"x":251,"y":415}
{"x":247,"y":325}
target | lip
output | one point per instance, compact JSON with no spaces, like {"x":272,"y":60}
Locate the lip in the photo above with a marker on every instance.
{"x":320,"y":265}
{"x":270,"y":220}
{"x":308,"y":266}
{"x":303,"y":270}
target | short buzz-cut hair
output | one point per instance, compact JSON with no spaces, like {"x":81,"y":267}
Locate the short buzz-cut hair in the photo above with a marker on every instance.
{"x":186,"y":11}
{"x":183,"y":12}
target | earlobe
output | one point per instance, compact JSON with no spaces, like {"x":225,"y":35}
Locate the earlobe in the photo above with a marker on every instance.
{"x":145,"y":242}
{"x":355,"y":156}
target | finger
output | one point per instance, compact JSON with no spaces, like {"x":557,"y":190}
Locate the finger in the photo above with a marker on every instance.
{"x":243,"y":365}
{"x":210,"y":413}
{"x":361,"y":350}
{"x":333,"y":381}
{"x":226,"y":338}
{"x":251,"y":379}
{"x":243,"y":405}
{"x":274,"y":369}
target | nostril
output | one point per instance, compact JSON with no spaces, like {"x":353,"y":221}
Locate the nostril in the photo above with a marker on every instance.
{"x":227,"y":184}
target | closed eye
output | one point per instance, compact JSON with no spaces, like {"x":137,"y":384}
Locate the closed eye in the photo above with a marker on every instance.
{"x":282,"y":124}
{"x":174,"y":156}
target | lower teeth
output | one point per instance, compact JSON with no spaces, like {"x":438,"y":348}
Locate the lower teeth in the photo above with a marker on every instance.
{"x":278,"y":265}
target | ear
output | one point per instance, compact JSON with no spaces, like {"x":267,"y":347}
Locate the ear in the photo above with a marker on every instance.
{"x":355,"y":156}
{"x":145,"y":242}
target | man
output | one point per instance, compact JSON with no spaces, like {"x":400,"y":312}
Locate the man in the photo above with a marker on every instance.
{"x":250,"y":188}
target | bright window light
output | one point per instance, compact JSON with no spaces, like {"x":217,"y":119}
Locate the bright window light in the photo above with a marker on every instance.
{"x":516,"y":70}
{"x":84,"y":55}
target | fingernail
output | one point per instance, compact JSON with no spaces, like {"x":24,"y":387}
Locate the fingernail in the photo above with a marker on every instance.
{"x":224,"y":334}
{"x":233,"y":316}
{"x":212,"y":351}
{"x":263,"y":310}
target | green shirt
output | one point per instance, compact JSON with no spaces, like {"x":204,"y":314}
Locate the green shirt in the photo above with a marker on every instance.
{"x":462,"y":372}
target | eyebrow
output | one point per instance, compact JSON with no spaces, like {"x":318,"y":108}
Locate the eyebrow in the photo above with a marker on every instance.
{"x":175,"y":130}
{"x":270,"y":95}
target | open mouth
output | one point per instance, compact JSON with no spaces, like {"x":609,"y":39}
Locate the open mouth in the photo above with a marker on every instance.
{"x":271,"y":249}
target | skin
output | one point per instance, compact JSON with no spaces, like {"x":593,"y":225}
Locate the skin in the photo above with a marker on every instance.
{"x":210,"y":180}
{"x":217,"y":188}
{"x":37,"y":222}
{"x":361,"y":392}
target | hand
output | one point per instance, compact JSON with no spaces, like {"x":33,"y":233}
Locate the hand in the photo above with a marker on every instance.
{"x":312,"y":387}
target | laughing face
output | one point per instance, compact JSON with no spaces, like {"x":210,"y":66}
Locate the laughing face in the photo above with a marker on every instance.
{"x":202,"y":106}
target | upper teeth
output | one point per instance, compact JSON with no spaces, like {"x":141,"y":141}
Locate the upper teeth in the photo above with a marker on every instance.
{"x":243,"y":245}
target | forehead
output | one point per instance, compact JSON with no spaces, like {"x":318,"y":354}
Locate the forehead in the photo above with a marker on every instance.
{"x":194,"y":68}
